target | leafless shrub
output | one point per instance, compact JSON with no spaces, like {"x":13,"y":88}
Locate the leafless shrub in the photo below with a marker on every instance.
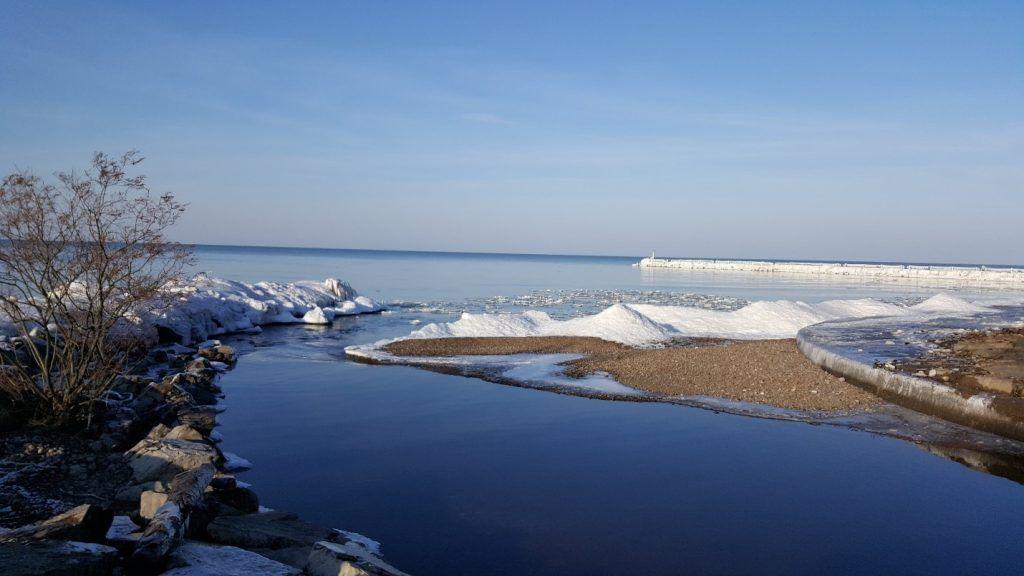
{"x":81,"y":260}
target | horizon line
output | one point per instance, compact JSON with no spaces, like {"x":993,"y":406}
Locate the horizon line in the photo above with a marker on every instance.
{"x":565,"y":255}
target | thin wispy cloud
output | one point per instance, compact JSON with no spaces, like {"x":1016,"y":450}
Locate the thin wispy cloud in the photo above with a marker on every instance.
{"x":486,"y":118}
{"x":312,"y":114}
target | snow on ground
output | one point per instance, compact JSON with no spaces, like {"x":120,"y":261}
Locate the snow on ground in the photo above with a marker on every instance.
{"x":209,"y":306}
{"x":646,"y":324}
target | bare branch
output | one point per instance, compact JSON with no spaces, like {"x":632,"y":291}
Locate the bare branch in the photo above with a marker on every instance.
{"x":78,"y":258}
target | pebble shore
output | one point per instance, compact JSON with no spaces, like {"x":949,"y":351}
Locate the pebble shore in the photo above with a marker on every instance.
{"x":771,"y":372}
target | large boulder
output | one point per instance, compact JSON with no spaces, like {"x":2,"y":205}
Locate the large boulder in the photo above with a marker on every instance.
{"x":199,"y":385}
{"x":87,"y":523}
{"x":164,"y":458}
{"x":238,"y":498}
{"x":123,"y":534}
{"x":185,"y":432}
{"x":278,"y":535}
{"x":350,"y":559}
{"x":170,"y":523}
{"x":196,"y":559}
{"x":57,"y":558}
{"x":202,"y":418}
{"x":266,"y":530}
{"x":132,"y":492}
{"x":150,"y":502}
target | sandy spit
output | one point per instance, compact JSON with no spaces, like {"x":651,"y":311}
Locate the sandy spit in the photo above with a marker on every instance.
{"x":769,"y":372}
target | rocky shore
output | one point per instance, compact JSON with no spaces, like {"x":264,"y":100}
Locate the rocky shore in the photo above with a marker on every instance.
{"x":151,"y":492}
{"x":986,"y":360}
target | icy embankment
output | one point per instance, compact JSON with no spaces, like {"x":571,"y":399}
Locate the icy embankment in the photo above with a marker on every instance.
{"x":863,"y":350}
{"x":207,"y":306}
{"x":647,"y":325}
{"x":969,"y":275}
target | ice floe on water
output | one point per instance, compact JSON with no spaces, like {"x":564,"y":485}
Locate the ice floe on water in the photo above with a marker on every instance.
{"x":208,"y":306}
{"x":569,"y":303}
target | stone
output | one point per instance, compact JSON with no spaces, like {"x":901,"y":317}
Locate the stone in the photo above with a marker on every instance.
{"x":333,"y":559}
{"x":170,"y":522}
{"x":271,"y":530}
{"x":87,"y":523}
{"x":224,"y":482}
{"x":197,"y":559}
{"x":150,"y":502}
{"x":242,"y":499}
{"x":123,"y":534}
{"x":133,"y":492}
{"x":162,"y":459}
{"x":158,"y":432}
{"x":219,"y":353}
{"x":202,"y":418}
{"x":199,"y":386}
{"x":57,"y":558}
{"x":201,"y":366}
{"x":185,"y":432}
{"x":235,"y":463}
{"x":992,"y":383}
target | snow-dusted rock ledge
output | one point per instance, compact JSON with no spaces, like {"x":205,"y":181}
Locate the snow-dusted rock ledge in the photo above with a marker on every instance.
{"x":208,"y":306}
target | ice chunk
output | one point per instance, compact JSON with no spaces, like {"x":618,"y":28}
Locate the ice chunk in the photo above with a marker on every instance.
{"x":235,"y":463}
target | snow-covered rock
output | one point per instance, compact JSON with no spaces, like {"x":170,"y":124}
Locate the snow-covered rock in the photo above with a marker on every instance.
{"x":205,"y":307}
{"x":235,"y":463}
{"x":332,"y":559}
{"x":208,"y":306}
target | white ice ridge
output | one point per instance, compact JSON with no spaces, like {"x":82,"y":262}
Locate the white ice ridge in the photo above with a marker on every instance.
{"x":207,"y":306}
{"x":646,"y":324}
{"x":969,"y":275}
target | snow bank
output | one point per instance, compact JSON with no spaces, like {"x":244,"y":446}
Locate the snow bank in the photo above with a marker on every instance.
{"x":208,"y":306}
{"x":972,"y":275}
{"x":645,"y":324}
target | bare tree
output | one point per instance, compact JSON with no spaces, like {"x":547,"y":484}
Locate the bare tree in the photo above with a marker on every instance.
{"x":81,"y":261}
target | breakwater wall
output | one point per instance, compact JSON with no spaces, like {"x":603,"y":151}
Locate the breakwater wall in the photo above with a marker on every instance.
{"x":1002,"y":415}
{"x":972,"y":275}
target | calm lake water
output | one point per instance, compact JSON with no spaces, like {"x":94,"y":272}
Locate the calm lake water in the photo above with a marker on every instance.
{"x":455,"y":475}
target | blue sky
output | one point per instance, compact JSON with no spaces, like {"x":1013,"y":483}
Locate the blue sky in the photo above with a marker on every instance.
{"x":884,"y":131}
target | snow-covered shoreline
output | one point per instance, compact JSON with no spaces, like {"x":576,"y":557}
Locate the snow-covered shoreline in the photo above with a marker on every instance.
{"x":966,"y":275}
{"x":651,"y":325}
{"x":206,"y":306}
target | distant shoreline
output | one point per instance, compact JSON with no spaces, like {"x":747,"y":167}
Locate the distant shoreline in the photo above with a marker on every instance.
{"x":553,"y":256}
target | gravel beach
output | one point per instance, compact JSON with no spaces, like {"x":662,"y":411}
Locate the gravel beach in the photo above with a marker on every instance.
{"x":769,"y":372}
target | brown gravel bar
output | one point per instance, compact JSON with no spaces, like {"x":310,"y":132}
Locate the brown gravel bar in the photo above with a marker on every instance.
{"x":769,"y":372}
